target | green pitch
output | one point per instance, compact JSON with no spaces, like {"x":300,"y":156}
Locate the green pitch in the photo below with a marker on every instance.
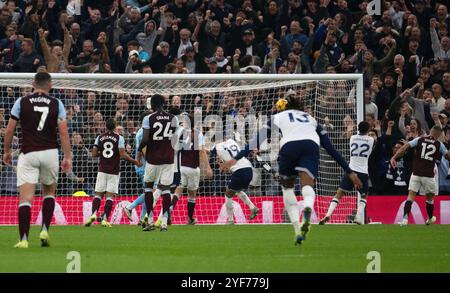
{"x":258,"y":248}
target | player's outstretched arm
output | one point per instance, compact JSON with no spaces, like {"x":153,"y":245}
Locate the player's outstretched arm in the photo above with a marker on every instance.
{"x":123,"y":155}
{"x":331,"y":150}
{"x":10,"y":129}
{"x":401,"y":152}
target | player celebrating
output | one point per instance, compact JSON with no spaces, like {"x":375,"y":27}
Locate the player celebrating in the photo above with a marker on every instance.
{"x":41,"y":117}
{"x":361,"y":146}
{"x":110,"y":147}
{"x":159,"y":128}
{"x":428,"y":152}
{"x":299,"y":156}
{"x":241,"y":176}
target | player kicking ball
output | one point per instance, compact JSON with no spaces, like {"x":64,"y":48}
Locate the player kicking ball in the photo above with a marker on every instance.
{"x":241,"y":176}
{"x":41,"y":117}
{"x":429,"y":151}
{"x":301,"y":137}
{"x":361,"y":146}
{"x":110,"y":148}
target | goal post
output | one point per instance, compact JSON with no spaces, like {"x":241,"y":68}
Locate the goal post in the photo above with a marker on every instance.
{"x":239,"y":103}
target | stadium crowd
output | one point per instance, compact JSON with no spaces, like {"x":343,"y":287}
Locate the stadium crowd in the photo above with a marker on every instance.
{"x":404,"y":54}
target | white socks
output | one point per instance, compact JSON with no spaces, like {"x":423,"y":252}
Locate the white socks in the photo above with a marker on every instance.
{"x":290,"y":203}
{"x":242,"y":195}
{"x":360,"y":212}
{"x":156,"y":194}
{"x":309,"y":195}
{"x":229,"y":205}
{"x":333,"y":204}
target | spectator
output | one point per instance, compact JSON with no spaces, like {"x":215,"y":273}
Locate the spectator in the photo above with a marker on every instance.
{"x":441,"y":49}
{"x":84,"y":56}
{"x":29,"y":60}
{"x":193,"y":60}
{"x":10,"y":46}
{"x":370,"y":106}
{"x":96,"y":65}
{"x":56,"y":56}
{"x":182,"y":42}
{"x":151,"y":36}
{"x":159,"y":61}
{"x":437,"y":101}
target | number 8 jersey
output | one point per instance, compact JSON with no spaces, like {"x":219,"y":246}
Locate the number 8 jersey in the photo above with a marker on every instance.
{"x":108,"y":145}
{"x":361,"y":147}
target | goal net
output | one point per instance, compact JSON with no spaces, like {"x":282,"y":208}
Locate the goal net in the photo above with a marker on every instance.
{"x":238,"y":103}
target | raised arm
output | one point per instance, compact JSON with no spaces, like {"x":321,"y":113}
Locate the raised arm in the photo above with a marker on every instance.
{"x":45,"y":48}
{"x":67,"y":42}
{"x":328,"y":146}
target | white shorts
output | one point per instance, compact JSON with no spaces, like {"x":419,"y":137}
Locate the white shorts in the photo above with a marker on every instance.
{"x":107,"y":183}
{"x":37,"y":166}
{"x":428,"y":184}
{"x":190,"y":178}
{"x":162,"y":174}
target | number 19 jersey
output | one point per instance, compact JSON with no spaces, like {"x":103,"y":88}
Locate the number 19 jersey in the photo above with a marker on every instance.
{"x":360,"y":149}
{"x":108,"y":145}
{"x":227,"y":150}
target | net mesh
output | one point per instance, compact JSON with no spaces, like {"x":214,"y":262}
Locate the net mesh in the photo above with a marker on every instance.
{"x":90,"y":101}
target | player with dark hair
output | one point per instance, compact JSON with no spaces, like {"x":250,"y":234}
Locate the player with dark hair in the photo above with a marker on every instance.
{"x":41,"y":117}
{"x":110,"y":147}
{"x":301,"y":137}
{"x":361,"y":146}
{"x":429,"y":151}
{"x":159,"y":128}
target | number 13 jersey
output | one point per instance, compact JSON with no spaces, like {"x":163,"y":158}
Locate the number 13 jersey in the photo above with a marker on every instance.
{"x":295,"y":125}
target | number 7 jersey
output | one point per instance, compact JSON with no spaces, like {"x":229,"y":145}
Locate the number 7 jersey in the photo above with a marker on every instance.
{"x":38,"y":115}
